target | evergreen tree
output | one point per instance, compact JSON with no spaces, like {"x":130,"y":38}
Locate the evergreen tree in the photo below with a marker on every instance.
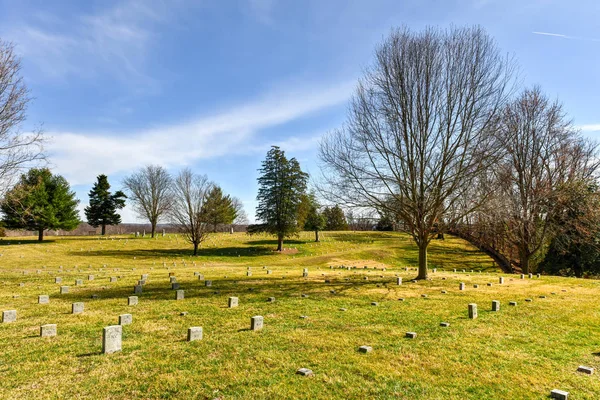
{"x":315,"y":221}
{"x":40,"y":201}
{"x":336,"y":220}
{"x":103,"y":206}
{"x":281,"y":186}
{"x":219,"y":208}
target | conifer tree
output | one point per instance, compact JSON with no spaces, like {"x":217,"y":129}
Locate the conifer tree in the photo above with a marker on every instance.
{"x":103,"y":207}
{"x":218,"y":208}
{"x":315,"y":220}
{"x":40,"y":201}
{"x":281,"y":186}
{"x":336,"y":221}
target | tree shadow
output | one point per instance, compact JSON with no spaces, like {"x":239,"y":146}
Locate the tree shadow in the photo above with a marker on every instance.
{"x":202,"y":252}
{"x":260,"y":288}
{"x":6,"y":241}
{"x":274,"y":242}
{"x":94,"y":353}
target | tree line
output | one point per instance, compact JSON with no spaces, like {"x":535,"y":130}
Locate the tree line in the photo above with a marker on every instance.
{"x":439,"y":138}
{"x":41,"y":200}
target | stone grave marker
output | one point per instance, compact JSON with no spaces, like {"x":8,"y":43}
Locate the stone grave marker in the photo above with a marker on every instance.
{"x":365,"y":349}
{"x":585,"y":370}
{"x":472,"y":310}
{"x":111,"y":339}
{"x":179,"y":295}
{"x":194,"y":333}
{"x":132,"y":300}
{"x":256,"y":323}
{"x":233,"y":302}
{"x":495,"y":305}
{"x":9,"y":316}
{"x":64,"y":289}
{"x":48,"y":330}
{"x":43,"y":299}
{"x":559,"y":394}
{"x":77,"y":308}
{"x":304,"y":372}
{"x":125,"y":319}
{"x":137,"y":289}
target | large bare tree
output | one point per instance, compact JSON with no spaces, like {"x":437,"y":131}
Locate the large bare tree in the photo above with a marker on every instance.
{"x":149,"y":190}
{"x":418,"y":129}
{"x":187,"y":212}
{"x":18,"y":150}
{"x":541,"y":152}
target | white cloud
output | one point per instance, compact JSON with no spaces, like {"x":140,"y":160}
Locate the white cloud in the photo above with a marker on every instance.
{"x":590,"y":127}
{"x":228,"y":132}
{"x":561,"y":36}
{"x":114,"y":41}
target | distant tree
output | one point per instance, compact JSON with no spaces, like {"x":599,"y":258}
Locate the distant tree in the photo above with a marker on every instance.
{"x":149,"y":190}
{"x":281,"y":186}
{"x":314,"y":221}
{"x":40,"y":201}
{"x":241,"y":218}
{"x":385,"y":223}
{"x":335,"y":219}
{"x":219,"y":208}
{"x":303,"y":209}
{"x":103,"y":207}
{"x":186,"y":212}
{"x":18,"y":150}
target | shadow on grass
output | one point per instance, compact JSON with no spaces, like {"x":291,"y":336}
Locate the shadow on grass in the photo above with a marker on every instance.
{"x":202,"y":252}
{"x":20,"y":242}
{"x":94,"y":353}
{"x":291,"y":287}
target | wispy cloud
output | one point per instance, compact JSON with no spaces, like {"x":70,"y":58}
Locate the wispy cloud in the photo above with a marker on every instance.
{"x":113,"y":41}
{"x":560,"y":35}
{"x":262,"y":10}
{"x":229,"y":132}
{"x":590,"y":128}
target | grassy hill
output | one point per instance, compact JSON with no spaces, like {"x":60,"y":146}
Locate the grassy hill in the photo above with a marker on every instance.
{"x":520,"y":352}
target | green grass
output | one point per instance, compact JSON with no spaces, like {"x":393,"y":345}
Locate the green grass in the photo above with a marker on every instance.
{"x":518,"y":353}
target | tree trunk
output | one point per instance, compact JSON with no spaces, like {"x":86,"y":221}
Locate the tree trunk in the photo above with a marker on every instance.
{"x":103,"y":229}
{"x":279,"y":242}
{"x":153,"y":228}
{"x":316,"y":236}
{"x":524,"y":260}
{"x":422,"y":260}
{"x":195,"y":249}
{"x":40,"y":234}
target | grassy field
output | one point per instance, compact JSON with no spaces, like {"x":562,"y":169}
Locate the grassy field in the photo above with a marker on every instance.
{"x":520,"y":352}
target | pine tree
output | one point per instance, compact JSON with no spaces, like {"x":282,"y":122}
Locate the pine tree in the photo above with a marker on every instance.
{"x":315,"y":221}
{"x":40,"y":201}
{"x":281,"y":185}
{"x":103,"y":207}
{"x":336,"y":221}
{"x":218,"y":208}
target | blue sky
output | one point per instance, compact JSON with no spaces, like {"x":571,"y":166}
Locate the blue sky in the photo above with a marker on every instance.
{"x":211,"y":84}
